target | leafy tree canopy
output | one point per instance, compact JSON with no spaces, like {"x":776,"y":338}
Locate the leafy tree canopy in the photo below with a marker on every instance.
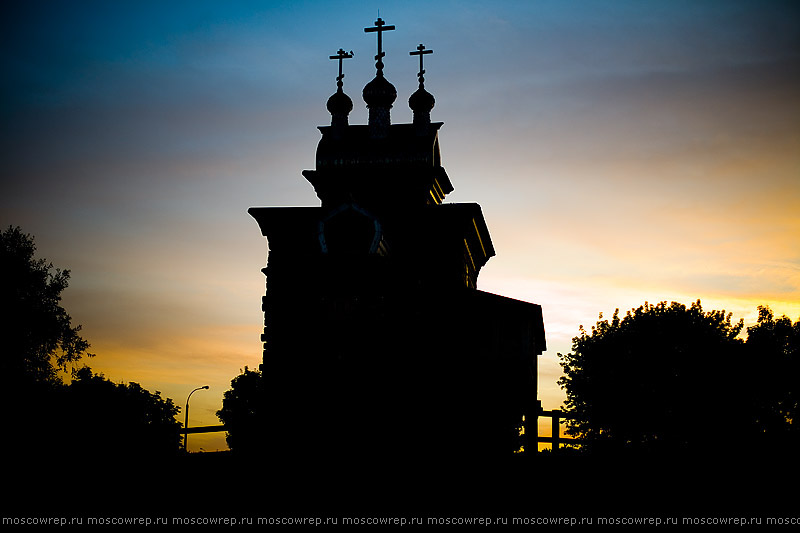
{"x":38,"y":336}
{"x":663,"y":377}
{"x":116,"y":418}
{"x":775,"y":345}
{"x":243,"y":411}
{"x":671,"y":378}
{"x":92,"y":417}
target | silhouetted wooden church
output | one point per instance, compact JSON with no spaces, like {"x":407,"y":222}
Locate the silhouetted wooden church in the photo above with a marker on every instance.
{"x":376,"y":340}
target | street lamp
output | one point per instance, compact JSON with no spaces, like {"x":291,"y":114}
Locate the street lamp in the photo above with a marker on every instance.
{"x":186,"y":420}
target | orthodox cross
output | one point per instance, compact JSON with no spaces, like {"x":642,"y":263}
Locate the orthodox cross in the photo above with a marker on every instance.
{"x":341,"y":54}
{"x":380,"y":28}
{"x":420,"y":52}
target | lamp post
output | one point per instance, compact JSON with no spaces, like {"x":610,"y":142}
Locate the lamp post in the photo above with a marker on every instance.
{"x":186,"y":420}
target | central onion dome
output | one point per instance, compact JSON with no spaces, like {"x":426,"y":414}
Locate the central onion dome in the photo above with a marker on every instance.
{"x":379,"y":93}
{"x":379,"y":96}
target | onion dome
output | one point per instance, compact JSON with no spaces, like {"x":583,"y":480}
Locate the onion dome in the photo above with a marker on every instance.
{"x":339,"y":106}
{"x":379,"y":96}
{"x":421,"y":103}
{"x":379,"y":93}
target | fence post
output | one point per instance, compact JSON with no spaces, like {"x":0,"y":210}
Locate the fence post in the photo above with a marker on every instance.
{"x":533,"y":436}
{"x":556,"y":433}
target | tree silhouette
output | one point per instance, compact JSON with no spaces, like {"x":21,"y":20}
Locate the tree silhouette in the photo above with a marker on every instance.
{"x":664,"y":378}
{"x":243,"y":412}
{"x":775,"y":345}
{"x":120,"y":420}
{"x":92,"y":418}
{"x":37,"y":333}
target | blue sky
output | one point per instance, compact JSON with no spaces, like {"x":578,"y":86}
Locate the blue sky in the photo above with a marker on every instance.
{"x":622,"y":152}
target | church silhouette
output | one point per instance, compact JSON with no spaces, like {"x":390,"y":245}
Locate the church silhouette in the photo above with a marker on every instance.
{"x":377,"y":342}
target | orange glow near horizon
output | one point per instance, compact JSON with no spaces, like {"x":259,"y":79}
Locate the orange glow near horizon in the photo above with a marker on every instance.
{"x":624,"y":152}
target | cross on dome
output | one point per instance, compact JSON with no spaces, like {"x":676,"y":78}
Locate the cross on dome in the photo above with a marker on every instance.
{"x":379,"y":27}
{"x":420,"y":52}
{"x":340,"y":55}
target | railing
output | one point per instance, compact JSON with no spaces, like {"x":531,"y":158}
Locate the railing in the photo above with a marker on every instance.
{"x":203,"y":429}
{"x":556,"y":439}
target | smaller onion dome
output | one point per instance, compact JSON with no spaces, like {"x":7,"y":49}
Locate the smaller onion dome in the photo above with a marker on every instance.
{"x":421,"y":101}
{"x":339,"y":105}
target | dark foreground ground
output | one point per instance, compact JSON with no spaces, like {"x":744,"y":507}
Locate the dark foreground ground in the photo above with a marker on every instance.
{"x":222,"y":485}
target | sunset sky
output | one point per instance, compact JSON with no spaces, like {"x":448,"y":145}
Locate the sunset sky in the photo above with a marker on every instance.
{"x":622,"y":152}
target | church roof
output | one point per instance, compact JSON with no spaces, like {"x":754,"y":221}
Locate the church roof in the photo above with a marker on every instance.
{"x":354,"y":147}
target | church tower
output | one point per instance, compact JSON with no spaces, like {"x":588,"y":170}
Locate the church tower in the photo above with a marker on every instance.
{"x":377,"y":341}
